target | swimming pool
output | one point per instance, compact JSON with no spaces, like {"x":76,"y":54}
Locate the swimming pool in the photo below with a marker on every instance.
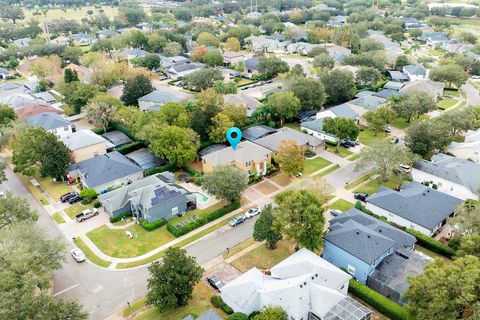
{"x":201,"y":197}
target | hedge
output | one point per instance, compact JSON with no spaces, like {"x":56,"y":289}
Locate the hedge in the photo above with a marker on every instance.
{"x":384,"y":305}
{"x":168,"y":167}
{"x":191,"y":171}
{"x":120,"y":216}
{"x":129,"y":147}
{"x":218,"y":302}
{"x":153,"y":225}
{"x":202,"y":221}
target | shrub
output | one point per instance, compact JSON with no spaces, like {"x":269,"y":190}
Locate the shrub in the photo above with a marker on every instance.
{"x":120,"y":216}
{"x":432,"y":244}
{"x":168,"y":167}
{"x":376,"y":300}
{"x":309,"y":153}
{"x":253,"y":314}
{"x":216,"y":301}
{"x":227,"y":309}
{"x":358,"y":205}
{"x":88,"y":194}
{"x":153,"y":225}
{"x":238,"y":316}
{"x":130,"y":147}
{"x":97,"y":204}
{"x":191,"y":171}
{"x":202,"y":221}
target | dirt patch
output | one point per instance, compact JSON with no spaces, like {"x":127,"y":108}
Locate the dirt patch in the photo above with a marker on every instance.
{"x":266,"y":187}
{"x":197,"y":165}
{"x":281,"y":179}
{"x":251,"y":194}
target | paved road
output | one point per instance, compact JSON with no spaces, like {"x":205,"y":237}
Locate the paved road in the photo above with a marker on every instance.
{"x":473,"y":96}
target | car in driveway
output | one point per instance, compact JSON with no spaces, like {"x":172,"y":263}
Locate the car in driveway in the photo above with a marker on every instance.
{"x":86,"y":214}
{"x":237,"y":220}
{"x":387,"y":129}
{"x":66,"y":196}
{"x":77,"y":254}
{"x":74,"y":199}
{"x":216,"y":283}
{"x":252,"y":213}
{"x":394,"y":140}
{"x":336,"y":212}
{"x":362,"y":196}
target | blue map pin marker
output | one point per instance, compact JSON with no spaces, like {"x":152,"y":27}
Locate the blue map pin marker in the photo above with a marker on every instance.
{"x":234,"y":135}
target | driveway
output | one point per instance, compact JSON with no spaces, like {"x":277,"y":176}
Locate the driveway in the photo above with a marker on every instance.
{"x":473,"y":96}
{"x":339,"y":178}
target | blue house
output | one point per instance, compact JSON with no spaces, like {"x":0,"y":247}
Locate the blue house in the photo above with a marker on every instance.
{"x":359,"y":243}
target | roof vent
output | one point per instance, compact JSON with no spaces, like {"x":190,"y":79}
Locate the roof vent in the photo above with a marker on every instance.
{"x":368,"y":237}
{"x":357,"y":233}
{"x":300,"y":287}
{"x":379,"y":230}
{"x":305,"y":283}
{"x":313,"y":277}
{"x":316,"y":275}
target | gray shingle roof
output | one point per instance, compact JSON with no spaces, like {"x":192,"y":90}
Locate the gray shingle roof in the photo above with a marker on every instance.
{"x":116,"y":137}
{"x":252,"y":63}
{"x":245,"y":151}
{"x":385,"y":94}
{"x":369,"y":103}
{"x":459,"y":171}
{"x":344,"y":110}
{"x":393,"y":85}
{"x":274,"y":140}
{"x":165,"y":95}
{"x":84,"y":138}
{"x":48,"y":121}
{"x":416,"y":70}
{"x":417,"y":203}
{"x":255,"y":132}
{"x":397,"y":75}
{"x":100,"y":170}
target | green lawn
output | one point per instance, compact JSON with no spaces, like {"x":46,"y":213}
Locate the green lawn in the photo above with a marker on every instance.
{"x":446,"y":103}
{"x":342,"y":152}
{"x":69,"y":14}
{"x":293,"y":125}
{"x":368,"y":137}
{"x":401,"y":123}
{"x":75,"y":209}
{"x":354,"y":157}
{"x":430,"y":253}
{"x":92,"y":257}
{"x":58,"y":218}
{"x":341,"y":204}
{"x":115,"y":243}
{"x":325,"y":172}
{"x":356,"y":182}
{"x":459,"y":106}
{"x":454,"y":93}
{"x":315,"y":164}
{"x":197,"y":212}
{"x":54,"y":189}
{"x":372,"y":186}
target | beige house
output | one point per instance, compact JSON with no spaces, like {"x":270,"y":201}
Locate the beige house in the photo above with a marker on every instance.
{"x":248,"y":156}
{"x":85,"y":144}
{"x":231,"y":58}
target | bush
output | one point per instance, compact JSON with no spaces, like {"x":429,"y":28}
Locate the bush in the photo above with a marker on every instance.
{"x":88,"y":194}
{"x":227,"y":309}
{"x":216,"y":301}
{"x":202,"y":221}
{"x":153,"y":225}
{"x":191,"y":171}
{"x":238,"y":316}
{"x":129,"y":147}
{"x":376,"y":300}
{"x":309,"y":153}
{"x":168,"y":167}
{"x":120,"y":216}
{"x":432,"y":244}
{"x":97,"y":204}
{"x":253,"y":314}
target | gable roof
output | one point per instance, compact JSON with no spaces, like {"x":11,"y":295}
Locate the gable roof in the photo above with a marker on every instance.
{"x":48,"y":121}
{"x":415,"y":69}
{"x":397,"y":75}
{"x":252,"y":63}
{"x":32,"y":109}
{"x":415,"y":202}
{"x":243,"y":100}
{"x":245,"y":151}
{"x":274,"y":140}
{"x":344,"y":110}
{"x":385,"y":94}
{"x":164,"y":95}
{"x":393,"y":85}
{"x":459,"y":171}
{"x":256,"y":132}
{"x":82,"y":139}
{"x":116,"y":137}
{"x":433,"y":88}
{"x":369,"y":102}
{"x":102,"y":169}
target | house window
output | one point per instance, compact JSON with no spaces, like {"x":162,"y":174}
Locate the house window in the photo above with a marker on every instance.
{"x":54,"y":131}
{"x":351,"y":269}
{"x":174,"y":211}
{"x":65,"y":128}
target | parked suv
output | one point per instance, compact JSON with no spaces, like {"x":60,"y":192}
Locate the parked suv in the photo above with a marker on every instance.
{"x":237,"y":220}
{"x":66,"y":196}
{"x":86,"y":214}
{"x":215,"y":283}
{"x":74,"y":199}
{"x":362,"y":196}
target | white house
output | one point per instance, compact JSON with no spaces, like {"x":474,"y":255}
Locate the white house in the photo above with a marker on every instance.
{"x":415,"y":72}
{"x":414,"y":206}
{"x":469,"y":149}
{"x":52,"y":122}
{"x":458,"y":177}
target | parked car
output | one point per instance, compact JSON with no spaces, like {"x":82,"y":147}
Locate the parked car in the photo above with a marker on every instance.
{"x":252,"y":213}
{"x":86,"y":214}
{"x":236,"y":221}
{"x":362,"y":196}
{"x":74,"y":199}
{"x":475,"y":77}
{"x":66,"y":196}
{"x":335,"y":212}
{"x":215,"y":283}
{"x":77,"y":254}
{"x":347,"y":143}
{"x":394,"y":140}
{"x":388,"y":129}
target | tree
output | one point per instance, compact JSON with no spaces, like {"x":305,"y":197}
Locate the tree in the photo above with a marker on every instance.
{"x":263,"y":228}
{"x":271,"y":66}
{"x":271,"y":313}
{"x":339,"y":85}
{"x":401,"y":61}
{"x":202,"y":79}
{"x":208,"y":40}
{"x":370,"y":45}
{"x":213,"y":58}
{"x":310,"y":92}
{"x":37,"y":147}
{"x":453,"y":290}
{"x":284,"y":105}
{"x":88,"y":194}
{"x":468,"y":37}
{"x":45,"y":67}
{"x":207,"y":104}
{"x":14,"y":210}
{"x":101,"y":109}
{"x":7,"y":115}
{"x":197,"y":53}
{"x":459,"y":121}
{"x":383,"y":158}
{"x":220,"y":124}
{"x":237,"y":316}
{"x":232,"y":44}
{"x":225,"y":88}
{"x":466,"y":219}
{"x":72,"y":55}
{"x":77,"y":94}
{"x":171,"y":282}
{"x":150,"y":61}
{"x":10,"y":12}
{"x":172,"y":48}
{"x":236,"y":113}
{"x":425,"y":136}
{"x":70,"y":75}
{"x":341,"y":128}
{"x":413,"y":104}
{"x":378,"y":119}
{"x":290,"y":158}
{"x":323,"y":61}
{"x":469,"y":245}
{"x":450,"y":73}
{"x":133,"y":14}
{"x":368,"y":76}
{"x":226,"y":182}
{"x":174,"y":114}
{"x":299,"y":216}
{"x":135,"y":88}
{"x":178,"y":145}
{"x":183,"y":14}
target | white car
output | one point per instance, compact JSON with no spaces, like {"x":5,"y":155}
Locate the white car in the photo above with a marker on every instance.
{"x":252,"y":213}
{"x":78,"y":255}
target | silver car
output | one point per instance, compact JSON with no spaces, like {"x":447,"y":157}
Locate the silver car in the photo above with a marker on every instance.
{"x":252,"y":213}
{"x":78,"y":255}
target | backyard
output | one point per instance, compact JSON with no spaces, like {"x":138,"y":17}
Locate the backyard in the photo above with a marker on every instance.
{"x":315,"y":164}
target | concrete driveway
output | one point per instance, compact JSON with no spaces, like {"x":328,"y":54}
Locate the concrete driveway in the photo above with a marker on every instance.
{"x":339,"y":178}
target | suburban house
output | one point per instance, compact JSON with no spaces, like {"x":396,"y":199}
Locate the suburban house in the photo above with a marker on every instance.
{"x":256,"y":132}
{"x":46,"y":96}
{"x":342,"y":110}
{"x":240,"y":99}
{"x":304,"y":285}
{"x":61,"y":41}
{"x":414,"y":206}
{"x":52,"y":122}
{"x":365,"y":246}
{"x":415,"y":72}
{"x":106,"y":171}
{"x":337,"y":21}
{"x":394,"y":85}
{"x":84,"y":144}
{"x":392,"y":49}
{"x":152,"y":198}
{"x":398,"y":76}
{"x":4,"y":74}
{"x":82,"y":39}
{"x":156,"y":99}
{"x":248,"y":156}
{"x":83,"y":72}
{"x":432,"y":88}
{"x":315,"y":128}
{"x":267,"y":44}
{"x":181,"y":70}
{"x":273,"y":140}
{"x":337,"y":53}
{"x":469,"y":149}
{"x":301,"y":47}
{"x":105,"y":33}
{"x":117,"y":138}
{"x":18,"y":100}
{"x":129,"y":54}
{"x":458,"y":177}
{"x":230,"y":58}
{"x":33,"y":109}
{"x":145,"y":159}
{"x":434,"y":38}
{"x":251,"y":65}
{"x":22,"y":43}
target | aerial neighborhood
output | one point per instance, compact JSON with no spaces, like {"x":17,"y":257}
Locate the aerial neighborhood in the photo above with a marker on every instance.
{"x":240,"y":160}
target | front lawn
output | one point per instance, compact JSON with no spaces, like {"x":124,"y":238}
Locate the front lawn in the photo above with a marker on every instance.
{"x":281,"y":179}
{"x":325,"y":172}
{"x":197,"y":213}
{"x":293,"y":125}
{"x":54,"y":189}
{"x":342,"y":152}
{"x":75,"y":209}
{"x":315,"y":164}
{"x":115,"y":243}
{"x":372,"y":186}
{"x":58,"y":218}
{"x":446,"y":103}
{"x":451,"y":92}
{"x":368,"y":137}
{"x":342,"y":205}
{"x":401,"y":123}
{"x":264,"y":258}
{"x":92,"y":257}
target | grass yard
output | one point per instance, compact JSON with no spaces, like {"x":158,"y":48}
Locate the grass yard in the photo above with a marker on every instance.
{"x":372,"y":186}
{"x":356,"y":182}
{"x":315,"y":164}
{"x":115,"y":243}
{"x":239,"y":247}
{"x":459,"y":106}
{"x":325,"y":172}
{"x":198,"y":305}
{"x":446,"y":103}
{"x":281,"y":179}
{"x":354,"y":157}
{"x":75,"y":209}
{"x":58,"y":218}
{"x":451,"y":92}
{"x":369,"y":138}
{"x":342,"y":152}
{"x":293,"y":125}
{"x":37,"y":194}
{"x":54,"y":189}
{"x":69,"y":14}
{"x":264,"y":258}
{"x":197,"y":212}
{"x":244,"y":82}
{"x":430,"y":253}
{"x":401,"y":123}
{"x":341,"y":204}
{"x":266,"y":187}
{"x":92,"y":257}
